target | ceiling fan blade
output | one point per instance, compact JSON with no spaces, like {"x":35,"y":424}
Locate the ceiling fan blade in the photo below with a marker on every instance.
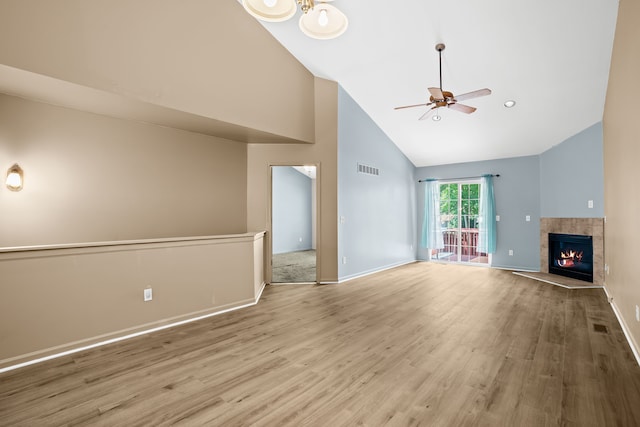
{"x":462,"y":108}
{"x":415,"y":105}
{"x":474,"y":94}
{"x":436,"y":93}
{"x":428,"y":113}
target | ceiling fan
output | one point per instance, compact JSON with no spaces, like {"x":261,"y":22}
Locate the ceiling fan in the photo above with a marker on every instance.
{"x":440,"y":98}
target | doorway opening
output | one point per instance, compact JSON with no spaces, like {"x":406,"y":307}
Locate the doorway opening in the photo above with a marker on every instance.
{"x":293,"y":224}
{"x":459,"y":212}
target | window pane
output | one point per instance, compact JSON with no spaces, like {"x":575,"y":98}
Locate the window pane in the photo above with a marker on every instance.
{"x":474,"y":207}
{"x":465,"y":191}
{"x":474,"y":191}
{"x":453,"y":191}
{"x":444,"y":191}
{"x":465,"y":207}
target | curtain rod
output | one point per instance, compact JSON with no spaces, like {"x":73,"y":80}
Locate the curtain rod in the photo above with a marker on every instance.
{"x":456,"y":179}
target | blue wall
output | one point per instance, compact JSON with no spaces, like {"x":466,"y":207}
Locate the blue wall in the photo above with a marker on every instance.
{"x":571,"y":174}
{"x":517,"y":195}
{"x":383,"y":214}
{"x":291,"y":210}
{"x":379,"y":212}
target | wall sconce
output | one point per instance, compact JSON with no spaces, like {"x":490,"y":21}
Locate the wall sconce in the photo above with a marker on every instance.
{"x":15,"y":178}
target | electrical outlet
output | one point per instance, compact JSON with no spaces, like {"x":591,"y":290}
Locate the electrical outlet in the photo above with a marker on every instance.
{"x":497,"y":217}
{"x":510,"y":252}
{"x":606,"y":269}
{"x":637,"y":313}
{"x":590,"y":204}
{"x":148,"y":294}
{"x":344,"y":259}
{"x":300,"y":239}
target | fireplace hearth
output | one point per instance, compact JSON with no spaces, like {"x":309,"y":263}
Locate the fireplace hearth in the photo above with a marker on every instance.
{"x":571,"y":255}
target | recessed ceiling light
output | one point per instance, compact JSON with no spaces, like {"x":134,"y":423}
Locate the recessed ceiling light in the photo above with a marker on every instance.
{"x":510,"y":103}
{"x":436,"y":118}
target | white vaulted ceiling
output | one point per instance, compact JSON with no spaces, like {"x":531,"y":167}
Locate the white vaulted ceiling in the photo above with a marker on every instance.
{"x":552,"y":57}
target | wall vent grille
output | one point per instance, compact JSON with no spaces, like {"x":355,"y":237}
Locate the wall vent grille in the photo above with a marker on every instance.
{"x":369,"y":170}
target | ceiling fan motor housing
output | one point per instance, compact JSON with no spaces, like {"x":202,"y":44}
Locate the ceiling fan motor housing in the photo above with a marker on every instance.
{"x":448,"y":98}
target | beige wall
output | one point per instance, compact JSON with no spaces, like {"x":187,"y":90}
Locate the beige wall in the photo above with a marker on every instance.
{"x":90,"y":177}
{"x":93,"y":178}
{"x":205,"y":57}
{"x":59,"y":299}
{"x":324,"y":154}
{"x":622,"y":171}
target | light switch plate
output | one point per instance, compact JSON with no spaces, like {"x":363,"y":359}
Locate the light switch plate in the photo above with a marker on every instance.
{"x":527,"y":218}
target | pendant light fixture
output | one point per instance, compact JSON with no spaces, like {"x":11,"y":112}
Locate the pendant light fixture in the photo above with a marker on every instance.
{"x":319,"y":19}
{"x":270,"y":10}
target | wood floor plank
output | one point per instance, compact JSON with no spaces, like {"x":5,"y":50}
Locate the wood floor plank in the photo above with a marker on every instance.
{"x":423,"y":344}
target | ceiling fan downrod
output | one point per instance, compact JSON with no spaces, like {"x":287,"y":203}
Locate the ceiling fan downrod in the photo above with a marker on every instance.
{"x":440,"y":47}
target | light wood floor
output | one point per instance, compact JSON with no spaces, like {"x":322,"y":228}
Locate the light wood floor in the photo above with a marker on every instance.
{"x":424,"y":344}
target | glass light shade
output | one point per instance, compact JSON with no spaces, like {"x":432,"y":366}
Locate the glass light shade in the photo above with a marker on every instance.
{"x":270,"y":3}
{"x":335,"y":22}
{"x":14,"y":178}
{"x":280,"y":11}
{"x":510,"y":103}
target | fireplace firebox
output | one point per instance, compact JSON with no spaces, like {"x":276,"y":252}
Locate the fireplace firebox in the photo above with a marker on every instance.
{"x":571,"y":255}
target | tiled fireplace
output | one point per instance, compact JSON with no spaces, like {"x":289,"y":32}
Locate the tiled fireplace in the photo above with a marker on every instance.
{"x":593,"y":227}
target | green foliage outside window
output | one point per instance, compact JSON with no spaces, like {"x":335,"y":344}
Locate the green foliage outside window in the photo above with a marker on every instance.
{"x":462,"y":199}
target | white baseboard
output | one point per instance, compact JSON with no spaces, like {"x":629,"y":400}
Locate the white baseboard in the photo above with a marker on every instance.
{"x":373,"y":271}
{"x":124,"y":334}
{"x":632,"y":343}
{"x":551,"y":282}
{"x":525,"y":270}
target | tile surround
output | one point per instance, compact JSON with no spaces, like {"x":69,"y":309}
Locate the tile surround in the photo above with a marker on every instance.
{"x":584,"y":226}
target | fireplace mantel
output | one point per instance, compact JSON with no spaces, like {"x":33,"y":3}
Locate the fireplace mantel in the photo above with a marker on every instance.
{"x":583,"y":226}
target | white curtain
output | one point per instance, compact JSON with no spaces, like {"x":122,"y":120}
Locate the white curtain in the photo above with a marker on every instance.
{"x":487,"y":217}
{"x":431,"y":231}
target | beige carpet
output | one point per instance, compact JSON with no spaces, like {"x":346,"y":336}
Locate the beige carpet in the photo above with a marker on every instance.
{"x":294,"y":267}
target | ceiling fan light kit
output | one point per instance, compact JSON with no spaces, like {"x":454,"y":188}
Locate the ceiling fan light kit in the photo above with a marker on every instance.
{"x":510,"y":103}
{"x":442,"y":98}
{"x":319,"y":19}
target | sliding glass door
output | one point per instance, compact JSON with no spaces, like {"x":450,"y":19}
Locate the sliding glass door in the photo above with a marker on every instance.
{"x":459,"y":209}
